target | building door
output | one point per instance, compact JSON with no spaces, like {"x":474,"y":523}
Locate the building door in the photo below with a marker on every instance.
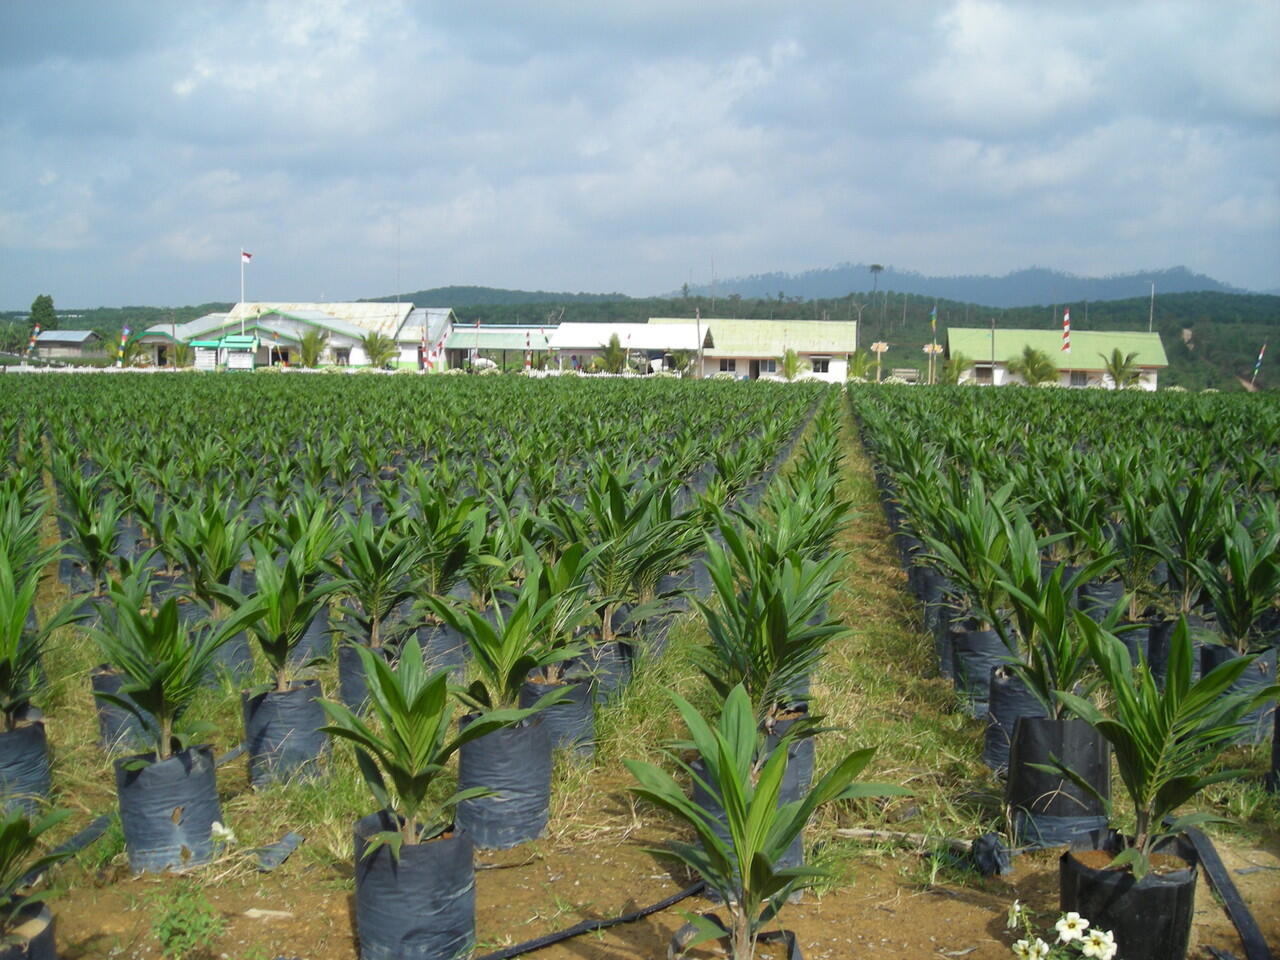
{"x":754,"y":369}
{"x":162,"y":355}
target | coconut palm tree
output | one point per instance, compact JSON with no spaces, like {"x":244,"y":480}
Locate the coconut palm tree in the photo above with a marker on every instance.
{"x":184,"y":355}
{"x":1033,"y":366}
{"x":683,"y":361}
{"x":381,"y":350}
{"x":312,"y":347}
{"x":1121,"y":368}
{"x":956,"y":366}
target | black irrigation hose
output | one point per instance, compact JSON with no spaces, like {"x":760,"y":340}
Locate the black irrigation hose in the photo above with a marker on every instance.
{"x":589,"y":926}
{"x":77,"y":843}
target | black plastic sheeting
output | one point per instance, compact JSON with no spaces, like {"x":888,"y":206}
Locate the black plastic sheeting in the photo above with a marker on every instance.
{"x":117,"y":727}
{"x":443,"y":648}
{"x":274,"y":854}
{"x":24,"y":768}
{"x":1008,"y":699}
{"x":515,"y":763}
{"x":608,"y":665}
{"x":570,"y":724}
{"x":1255,"y":945}
{"x":975,"y":652}
{"x":282,"y":734}
{"x":234,"y":659}
{"x":38,"y":941}
{"x":1259,"y":722}
{"x":1048,"y":809}
{"x":167,"y":810}
{"x":1150,"y":918}
{"x":421,"y":905}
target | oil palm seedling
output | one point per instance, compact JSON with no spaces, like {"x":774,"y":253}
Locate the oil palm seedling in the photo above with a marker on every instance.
{"x":24,"y":748}
{"x":167,"y":794}
{"x":1167,"y":745}
{"x":736,"y":848}
{"x":282,"y":723}
{"x":26,"y":924}
{"x":411,"y":853}
{"x":534,"y":639}
{"x":768,"y":626}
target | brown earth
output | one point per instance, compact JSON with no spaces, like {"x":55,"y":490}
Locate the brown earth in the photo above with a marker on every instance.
{"x":541,"y":887}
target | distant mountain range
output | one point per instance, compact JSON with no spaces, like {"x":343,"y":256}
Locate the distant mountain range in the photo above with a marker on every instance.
{"x":1034,"y":286}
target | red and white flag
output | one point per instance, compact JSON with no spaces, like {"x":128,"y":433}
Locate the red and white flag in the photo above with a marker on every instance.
{"x":245,"y":257}
{"x":1066,"y":330}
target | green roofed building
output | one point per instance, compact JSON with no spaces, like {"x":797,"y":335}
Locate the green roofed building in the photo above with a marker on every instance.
{"x":753,"y":349}
{"x":1084,"y":365}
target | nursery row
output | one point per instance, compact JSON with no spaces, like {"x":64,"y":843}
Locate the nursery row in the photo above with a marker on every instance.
{"x":1095,"y":590}
{"x":451,"y":584}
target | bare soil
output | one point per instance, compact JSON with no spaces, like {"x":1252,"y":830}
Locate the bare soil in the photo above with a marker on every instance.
{"x":304,"y":910}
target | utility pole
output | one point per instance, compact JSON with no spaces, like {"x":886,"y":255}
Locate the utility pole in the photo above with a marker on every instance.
{"x":1151,"y":314}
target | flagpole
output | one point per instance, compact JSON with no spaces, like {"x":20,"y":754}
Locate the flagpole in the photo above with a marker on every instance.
{"x":242,"y":291}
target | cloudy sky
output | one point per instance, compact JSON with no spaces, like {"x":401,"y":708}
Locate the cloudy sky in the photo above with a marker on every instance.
{"x":625,"y":146}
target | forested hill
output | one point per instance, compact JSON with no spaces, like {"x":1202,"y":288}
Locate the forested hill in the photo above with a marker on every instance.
{"x":1016,"y":289}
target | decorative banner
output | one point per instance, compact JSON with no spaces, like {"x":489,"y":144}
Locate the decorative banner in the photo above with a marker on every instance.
{"x":124,"y":339}
{"x":35,"y":335}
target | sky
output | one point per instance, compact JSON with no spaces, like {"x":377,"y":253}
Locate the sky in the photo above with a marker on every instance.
{"x":356,"y":148}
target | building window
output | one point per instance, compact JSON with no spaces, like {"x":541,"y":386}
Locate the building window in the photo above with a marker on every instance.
{"x":728,"y":365}
{"x":769,"y":366}
{"x":1079,"y":378}
{"x":821,"y":364}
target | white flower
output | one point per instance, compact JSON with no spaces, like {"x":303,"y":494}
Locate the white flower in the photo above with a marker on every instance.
{"x":1015,"y":915}
{"x":1031,"y":950}
{"x":222,"y":834}
{"x":1100,"y":944}
{"x":1070,"y":927}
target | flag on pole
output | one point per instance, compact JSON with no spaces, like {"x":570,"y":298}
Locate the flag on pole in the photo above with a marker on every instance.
{"x":1258,"y":366}
{"x":245,"y":257}
{"x":1066,"y":330}
{"x":124,"y":339}
{"x":35,"y":335}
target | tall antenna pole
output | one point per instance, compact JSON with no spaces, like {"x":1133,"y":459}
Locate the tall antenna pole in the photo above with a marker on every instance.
{"x":1151,"y":314}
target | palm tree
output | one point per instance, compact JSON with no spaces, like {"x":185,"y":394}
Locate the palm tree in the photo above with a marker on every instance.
{"x":956,"y":366}
{"x":613,"y":358}
{"x":184,"y":355}
{"x":1034,"y":367}
{"x":683,"y":361}
{"x":792,"y":365}
{"x":312,"y":345}
{"x":1121,"y":368}
{"x":860,"y":365}
{"x":380,"y":350}
{"x":876,"y":269}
